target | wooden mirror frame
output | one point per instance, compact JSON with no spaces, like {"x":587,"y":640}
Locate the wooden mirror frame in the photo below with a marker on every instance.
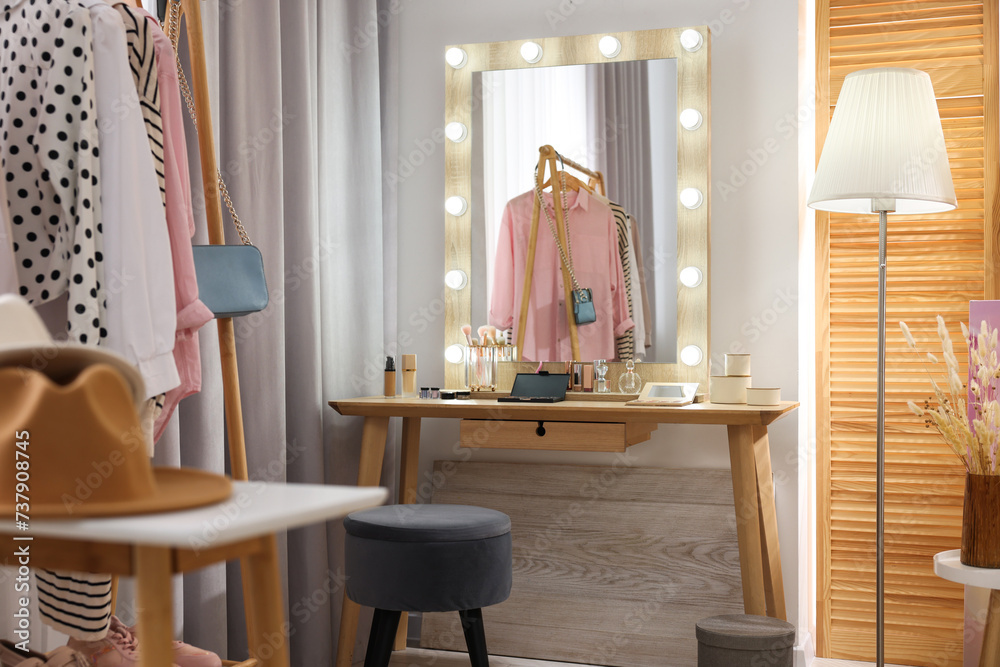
{"x":693,"y":171}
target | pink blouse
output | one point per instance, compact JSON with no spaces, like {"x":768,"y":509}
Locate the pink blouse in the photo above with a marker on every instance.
{"x":597,"y":263}
{"x":191,"y":312}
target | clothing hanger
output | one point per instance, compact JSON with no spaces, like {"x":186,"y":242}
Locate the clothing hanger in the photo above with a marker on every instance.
{"x":572,"y":182}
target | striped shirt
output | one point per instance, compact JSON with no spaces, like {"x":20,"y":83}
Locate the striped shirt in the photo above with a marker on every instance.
{"x":142,"y":60}
{"x":624,"y":344}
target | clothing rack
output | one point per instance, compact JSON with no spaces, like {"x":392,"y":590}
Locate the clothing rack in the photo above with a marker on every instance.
{"x":548,"y":161}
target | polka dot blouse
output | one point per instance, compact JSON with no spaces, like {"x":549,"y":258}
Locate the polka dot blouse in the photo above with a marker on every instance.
{"x":49,"y":149}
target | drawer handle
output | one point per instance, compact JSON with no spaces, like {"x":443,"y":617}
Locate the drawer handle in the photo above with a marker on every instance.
{"x":540,"y":431}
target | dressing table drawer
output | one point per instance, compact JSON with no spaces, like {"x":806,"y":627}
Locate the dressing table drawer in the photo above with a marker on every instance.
{"x":548,"y":435}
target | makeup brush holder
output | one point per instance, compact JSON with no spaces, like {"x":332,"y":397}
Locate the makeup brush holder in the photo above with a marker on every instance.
{"x":482,"y":369}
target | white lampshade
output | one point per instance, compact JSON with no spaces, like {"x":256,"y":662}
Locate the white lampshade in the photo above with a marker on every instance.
{"x":885,"y":143}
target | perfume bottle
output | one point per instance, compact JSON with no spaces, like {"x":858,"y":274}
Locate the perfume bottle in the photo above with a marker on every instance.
{"x":600,"y":381}
{"x":629,"y":382}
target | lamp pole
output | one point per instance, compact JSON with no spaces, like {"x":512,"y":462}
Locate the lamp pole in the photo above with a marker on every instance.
{"x":883,"y":207}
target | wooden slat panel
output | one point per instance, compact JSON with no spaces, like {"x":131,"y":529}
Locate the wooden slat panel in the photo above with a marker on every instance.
{"x":612,"y":565}
{"x":936,"y":264}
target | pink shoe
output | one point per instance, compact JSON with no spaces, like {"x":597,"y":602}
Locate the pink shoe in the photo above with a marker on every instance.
{"x":119,"y":648}
{"x":186,"y":655}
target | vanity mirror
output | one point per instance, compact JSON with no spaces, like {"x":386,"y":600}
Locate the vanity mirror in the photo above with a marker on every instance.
{"x":634,"y":106}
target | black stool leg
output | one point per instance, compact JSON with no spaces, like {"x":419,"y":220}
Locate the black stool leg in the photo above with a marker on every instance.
{"x":382,"y":638}
{"x":475,"y":637}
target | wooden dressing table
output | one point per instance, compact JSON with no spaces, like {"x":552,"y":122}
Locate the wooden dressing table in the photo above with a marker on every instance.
{"x":588,"y":426}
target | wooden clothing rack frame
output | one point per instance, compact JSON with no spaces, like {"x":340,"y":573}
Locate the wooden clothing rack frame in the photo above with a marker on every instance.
{"x":191,"y":10}
{"x":548,"y":162}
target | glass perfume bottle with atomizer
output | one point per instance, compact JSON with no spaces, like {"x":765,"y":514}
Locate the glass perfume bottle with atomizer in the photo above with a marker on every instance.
{"x":629,"y":382}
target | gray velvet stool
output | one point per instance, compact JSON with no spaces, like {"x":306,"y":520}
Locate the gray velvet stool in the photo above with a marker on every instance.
{"x":427,"y":558}
{"x":739,"y":640}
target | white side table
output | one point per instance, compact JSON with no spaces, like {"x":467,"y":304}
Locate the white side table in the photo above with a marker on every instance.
{"x":948,"y":565}
{"x":153,"y":547}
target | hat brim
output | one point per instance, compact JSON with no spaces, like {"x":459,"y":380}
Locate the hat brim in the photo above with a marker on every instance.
{"x":176,"y":489}
{"x":62,"y":362}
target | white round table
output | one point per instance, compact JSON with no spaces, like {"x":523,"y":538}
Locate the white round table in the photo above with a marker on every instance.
{"x":948,"y":565}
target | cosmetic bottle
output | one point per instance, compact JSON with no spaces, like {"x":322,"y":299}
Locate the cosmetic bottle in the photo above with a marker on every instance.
{"x":588,"y":377}
{"x":409,"y":368}
{"x":577,"y":376}
{"x":390,"y":377}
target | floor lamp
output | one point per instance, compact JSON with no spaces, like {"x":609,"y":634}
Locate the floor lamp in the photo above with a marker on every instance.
{"x":885,"y":153}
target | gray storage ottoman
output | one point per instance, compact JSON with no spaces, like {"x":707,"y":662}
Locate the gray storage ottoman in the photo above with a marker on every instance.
{"x":739,"y":640}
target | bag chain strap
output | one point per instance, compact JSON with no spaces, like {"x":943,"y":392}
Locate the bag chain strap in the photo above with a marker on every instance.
{"x":173,"y":32}
{"x":566,"y":255}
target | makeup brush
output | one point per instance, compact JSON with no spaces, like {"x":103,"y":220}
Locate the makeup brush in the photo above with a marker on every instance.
{"x":467,"y":330}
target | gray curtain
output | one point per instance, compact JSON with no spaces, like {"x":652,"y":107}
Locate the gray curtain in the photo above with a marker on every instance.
{"x":296,"y":100}
{"x":620,"y":120}
{"x":637,"y":152}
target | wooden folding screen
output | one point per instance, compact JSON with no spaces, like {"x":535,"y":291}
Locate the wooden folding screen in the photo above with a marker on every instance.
{"x":936,"y":264}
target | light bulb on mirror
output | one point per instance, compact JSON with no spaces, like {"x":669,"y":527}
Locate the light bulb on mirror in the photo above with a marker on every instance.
{"x":690,"y":119}
{"x":456,"y":279}
{"x":456,"y":57}
{"x":692,"y":198}
{"x":691,"y":276}
{"x":691,"y":40}
{"x":692,"y":355}
{"x":609,"y":46}
{"x":456,"y":132}
{"x":456,"y":205}
{"x":531,"y":52}
{"x":454,"y":354}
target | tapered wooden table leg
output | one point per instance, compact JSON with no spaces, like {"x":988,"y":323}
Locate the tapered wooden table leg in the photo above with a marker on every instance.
{"x":990,"y":655}
{"x":409,"y":466}
{"x":156,"y":620}
{"x":266,"y":607}
{"x":369,"y":473}
{"x":774,"y":586}
{"x":744,"y":470}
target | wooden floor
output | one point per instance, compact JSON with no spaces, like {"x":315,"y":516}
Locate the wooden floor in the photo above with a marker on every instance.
{"x":417,"y":657}
{"x":420,"y":657}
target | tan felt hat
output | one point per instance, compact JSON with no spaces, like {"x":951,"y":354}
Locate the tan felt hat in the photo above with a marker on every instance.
{"x":70,"y":433}
{"x":25,"y":342}
{"x":79,"y":449}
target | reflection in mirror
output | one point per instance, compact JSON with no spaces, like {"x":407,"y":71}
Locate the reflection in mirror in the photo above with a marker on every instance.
{"x":617,"y":118}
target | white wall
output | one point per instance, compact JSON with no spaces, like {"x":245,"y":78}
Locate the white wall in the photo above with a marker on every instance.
{"x":755,"y":207}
